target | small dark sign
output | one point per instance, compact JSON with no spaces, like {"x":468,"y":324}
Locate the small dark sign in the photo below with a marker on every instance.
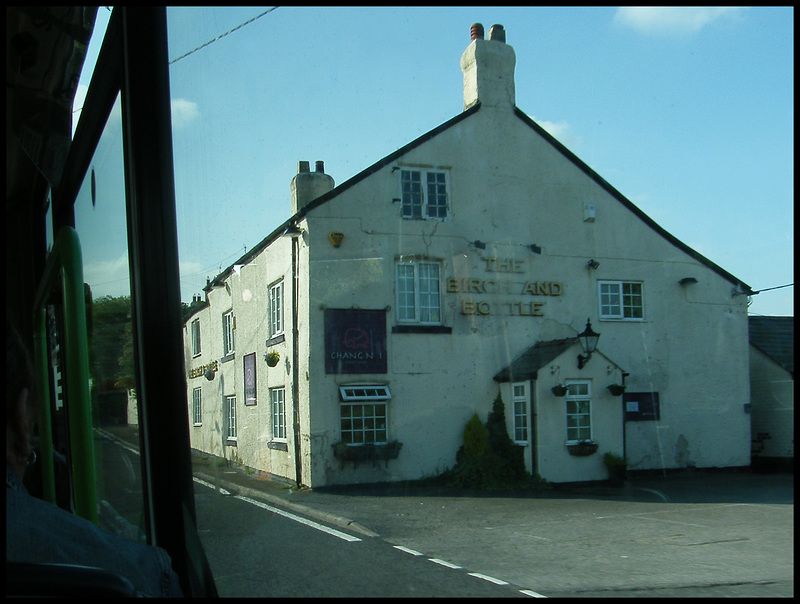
{"x":250,"y":379}
{"x":641,"y":406}
{"x":355,"y":341}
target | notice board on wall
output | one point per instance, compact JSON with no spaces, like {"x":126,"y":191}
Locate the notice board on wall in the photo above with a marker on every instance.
{"x":641,"y":406}
{"x":355,"y":340}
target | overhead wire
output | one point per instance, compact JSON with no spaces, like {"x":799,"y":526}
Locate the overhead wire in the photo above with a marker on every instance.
{"x":219,"y":37}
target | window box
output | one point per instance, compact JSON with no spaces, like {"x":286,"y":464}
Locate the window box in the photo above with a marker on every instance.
{"x":366,"y":452}
{"x":582,"y":448}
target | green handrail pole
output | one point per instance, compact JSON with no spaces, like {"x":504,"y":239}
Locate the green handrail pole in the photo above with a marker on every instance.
{"x":66,"y":260}
{"x":43,"y":408}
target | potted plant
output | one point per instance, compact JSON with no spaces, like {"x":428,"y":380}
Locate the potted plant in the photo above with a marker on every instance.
{"x":582,"y":448}
{"x":560,"y":389}
{"x":272,"y":358}
{"x":617,"y":466}
{"x":616,"y":389}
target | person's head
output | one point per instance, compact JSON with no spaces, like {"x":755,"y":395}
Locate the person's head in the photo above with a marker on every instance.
{"x":19,"y":385}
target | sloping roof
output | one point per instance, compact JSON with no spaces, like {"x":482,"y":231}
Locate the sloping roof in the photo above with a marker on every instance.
{"x":745,"y":289}
{"x":774,"y":336}
{"x":526,"y":366}
{"x":740,"y":285}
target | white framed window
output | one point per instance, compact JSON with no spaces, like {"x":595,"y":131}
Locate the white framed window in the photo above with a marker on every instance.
{"x":418,"y":293}
{"x":277,"y":397}
{"x":621,"y":300}
{"x":227,"y":333}
{"x":196,"y":337}
{"x":276,"y":309}
{"x":363,"y":423}
{"x":365,"y":393}
{"x":197,"y":406}
{"x":424,"y":194}
{"x":579,"y":411}
{"x":519,"y":396}
{"x":230,"y":412}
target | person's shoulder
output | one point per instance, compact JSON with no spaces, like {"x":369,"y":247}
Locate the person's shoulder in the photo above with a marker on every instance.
{"x":38,"y":531}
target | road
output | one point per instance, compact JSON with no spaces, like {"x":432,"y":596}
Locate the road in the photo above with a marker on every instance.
{"x":255,"y":549}
{"x":700,"y":534}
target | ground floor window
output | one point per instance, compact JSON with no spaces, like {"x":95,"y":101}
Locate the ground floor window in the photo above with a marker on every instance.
{"x":197,"y":406}
{"x":363,"y":423}
{"x":230,"y":410}
{"x":579,"y":412}
{"x":277,"y":397}
{"x":520,"y":402}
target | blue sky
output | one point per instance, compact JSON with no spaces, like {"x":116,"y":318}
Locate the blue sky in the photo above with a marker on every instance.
{"x":688,"y":112}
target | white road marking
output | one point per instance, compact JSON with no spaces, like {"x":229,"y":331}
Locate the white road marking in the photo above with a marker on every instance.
{"x":301,"y":520}
{"x":488,"y":578}
{"x":406,"y":550}
{"x":531,"y":593}
{"x":444,"y":563}
{"x":280,"y":512}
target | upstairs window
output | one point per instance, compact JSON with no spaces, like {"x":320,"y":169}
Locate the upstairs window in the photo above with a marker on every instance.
{"x":418,"y":293}
{"x":227,"y":333}
{"x":276,"y":309}
{"x":424,"y":194}
{"x":195,"y":337}
{"x":621,"y":300}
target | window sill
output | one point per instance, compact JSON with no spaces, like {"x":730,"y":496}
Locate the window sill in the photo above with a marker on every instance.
{"x":421,"y":329}
{"x":278,"y":446}
{"x":228,"y":357}
{"x":276,"y":339}
{"x":231,"y":443}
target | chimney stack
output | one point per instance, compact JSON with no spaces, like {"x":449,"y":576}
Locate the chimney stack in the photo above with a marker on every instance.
{"x":488,"y":67}
{"x":306,"y":186}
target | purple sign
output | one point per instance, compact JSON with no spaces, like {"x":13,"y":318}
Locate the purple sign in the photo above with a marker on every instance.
{"x":355,"y":341}
{"x":250,"y":379}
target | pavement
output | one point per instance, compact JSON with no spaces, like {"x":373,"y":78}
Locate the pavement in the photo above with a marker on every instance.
{"x":375,"y":510}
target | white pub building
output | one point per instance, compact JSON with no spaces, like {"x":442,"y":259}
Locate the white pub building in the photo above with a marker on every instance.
{"x":355,"y":341}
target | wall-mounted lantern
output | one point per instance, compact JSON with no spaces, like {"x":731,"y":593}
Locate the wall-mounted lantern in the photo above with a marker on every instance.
{"x":592,"y":264}
{"x":588,"y":340}
{"x":336,"y":239}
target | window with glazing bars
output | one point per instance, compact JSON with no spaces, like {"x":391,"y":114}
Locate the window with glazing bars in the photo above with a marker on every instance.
{"x":579,"y":412}
{"x":363,"y":423}
{"x":418,"y":293}
{"x":424,"y":194}
{"x":278,"y":399}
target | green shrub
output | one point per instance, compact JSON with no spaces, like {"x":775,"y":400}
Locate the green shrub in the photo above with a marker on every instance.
{"x":476,"y":438}
{"x":489,"y":459}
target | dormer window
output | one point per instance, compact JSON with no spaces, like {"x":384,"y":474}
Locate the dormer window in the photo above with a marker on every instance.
{"x":424,"y":194}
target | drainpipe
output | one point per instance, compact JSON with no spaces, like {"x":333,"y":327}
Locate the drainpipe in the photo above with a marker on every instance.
{"x":624,"y":421}
{"x":298,"y":463}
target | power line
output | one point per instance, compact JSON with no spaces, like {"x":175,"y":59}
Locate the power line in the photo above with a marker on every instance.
{"x":223,"y":35}
{"x":771,"y":288}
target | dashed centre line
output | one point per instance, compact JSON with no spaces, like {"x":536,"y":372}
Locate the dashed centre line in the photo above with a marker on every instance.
{"x":488,"y":578}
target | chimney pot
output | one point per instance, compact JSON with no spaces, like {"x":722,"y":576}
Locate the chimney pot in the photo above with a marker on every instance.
{"x":302,"y":166}
{"x":476,"y":31}
{"x":320,"y":167}
{"x":497,"y":33}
